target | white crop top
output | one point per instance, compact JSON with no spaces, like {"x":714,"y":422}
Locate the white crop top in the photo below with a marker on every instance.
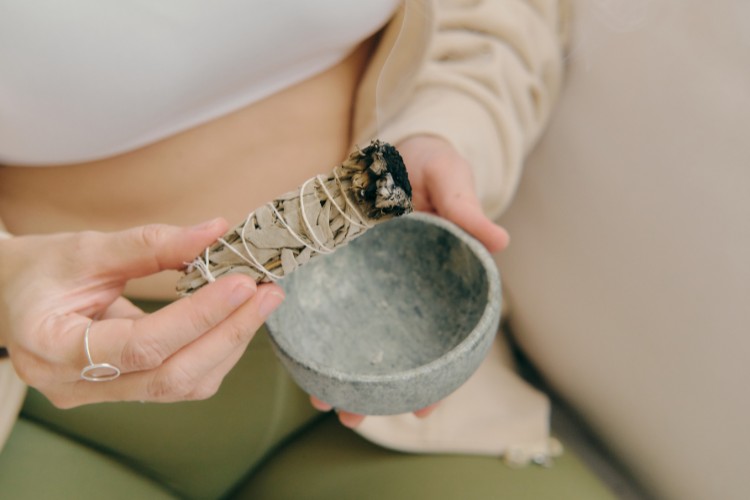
{"x":87,"y":79}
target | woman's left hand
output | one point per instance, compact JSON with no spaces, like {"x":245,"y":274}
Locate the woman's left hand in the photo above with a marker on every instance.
{"x":442,"y":183}
{"x":352,"y":420}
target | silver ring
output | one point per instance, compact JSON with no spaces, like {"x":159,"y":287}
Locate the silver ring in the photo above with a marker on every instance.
{"x":96,"y":372}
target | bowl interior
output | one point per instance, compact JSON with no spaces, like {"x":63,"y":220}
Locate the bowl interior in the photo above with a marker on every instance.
{"x":402,"y":295}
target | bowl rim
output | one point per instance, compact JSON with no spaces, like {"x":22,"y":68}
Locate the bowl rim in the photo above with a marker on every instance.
{"x":489,"y":316}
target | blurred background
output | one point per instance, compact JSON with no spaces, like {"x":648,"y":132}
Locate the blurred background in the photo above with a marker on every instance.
{"x":628,"y":274}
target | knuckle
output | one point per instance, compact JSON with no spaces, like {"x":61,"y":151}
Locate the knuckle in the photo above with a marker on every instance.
{"x":32,"y":369}
{"x":200,"y":318}
{"x":83,"y":240}
{"x":39,"y":356}
{"x":151,"y":234}
{"x":79,"y":249}
{"x":142,"y":354}
{"x":238,"y":335}
{"x":151,"y":238}
{"x":60,"y":401}
{"x":171,"y":385}
{"x":45,"y":337}
{"x":203,"y":392}
{"x":81,"y":243}
{"x":27,"y":369}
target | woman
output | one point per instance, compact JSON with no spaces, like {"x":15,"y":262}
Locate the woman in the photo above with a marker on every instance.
{"x":119,"y":117}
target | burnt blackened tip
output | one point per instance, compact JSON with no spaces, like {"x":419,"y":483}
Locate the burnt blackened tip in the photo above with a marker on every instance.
{"x":393,"y":161}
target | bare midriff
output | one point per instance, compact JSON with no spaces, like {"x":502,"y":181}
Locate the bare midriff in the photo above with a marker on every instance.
{"x":226,"y":167}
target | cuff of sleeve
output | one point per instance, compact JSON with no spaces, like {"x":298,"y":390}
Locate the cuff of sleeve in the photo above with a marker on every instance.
{"x":12,"y":392}
{"x":494,"y":413}
{"x":465,"y":123}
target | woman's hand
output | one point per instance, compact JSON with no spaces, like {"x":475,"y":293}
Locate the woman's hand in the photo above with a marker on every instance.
{"x":352,"y":420}
{"x":442,"y":183}
{"x":51,"y":286}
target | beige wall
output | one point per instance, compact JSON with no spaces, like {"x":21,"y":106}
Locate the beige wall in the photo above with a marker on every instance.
{"x":629,"y":267}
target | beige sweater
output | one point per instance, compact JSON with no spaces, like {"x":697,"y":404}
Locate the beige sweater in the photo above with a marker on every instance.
{"x":484,"y":75}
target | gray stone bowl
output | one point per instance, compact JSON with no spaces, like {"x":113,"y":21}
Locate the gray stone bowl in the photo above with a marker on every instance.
{"x":393,"y":322}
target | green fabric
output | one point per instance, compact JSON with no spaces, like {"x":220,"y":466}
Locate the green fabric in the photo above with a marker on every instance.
{"x":330,"y":461}
{"x":325,"y":462}
{"x":39,"y":464}
{"x":232,"y":443}
{"x":199,"y":449}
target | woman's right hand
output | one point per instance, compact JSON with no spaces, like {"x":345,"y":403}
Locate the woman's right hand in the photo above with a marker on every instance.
{"x":51,"y":286}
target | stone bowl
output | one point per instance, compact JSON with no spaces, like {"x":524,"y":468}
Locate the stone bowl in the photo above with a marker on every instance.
{"x":394,"y":321}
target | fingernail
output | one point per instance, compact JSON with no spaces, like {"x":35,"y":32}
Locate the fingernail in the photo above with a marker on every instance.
{"x":203,"y":226}
{"x":241,"y":293}
{"x":269,"y":302}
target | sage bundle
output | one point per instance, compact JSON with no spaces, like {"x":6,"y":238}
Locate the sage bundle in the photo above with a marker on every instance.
{"x":328,"y":211}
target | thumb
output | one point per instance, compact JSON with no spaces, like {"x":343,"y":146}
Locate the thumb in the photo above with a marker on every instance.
{"x":145,"y":250}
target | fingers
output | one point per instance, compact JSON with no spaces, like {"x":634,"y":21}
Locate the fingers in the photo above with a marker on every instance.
{"x":188,"y":368}
{"x":426,"y":411}
{"x":346,"y":418}
{"x":453,"y":197}
{"x":320,"y":405}
{"x":84,"y":276}
{"x":443,"y":183}
{"x":155,"y":337}
{"x":209,"y":385}
{"x":149,"y":249}
{"x":122,"y":308}
{"x":145,"y":342}
{"x":194,"y":371}
{"x":352,"y":420}
{"x":467,"y":214}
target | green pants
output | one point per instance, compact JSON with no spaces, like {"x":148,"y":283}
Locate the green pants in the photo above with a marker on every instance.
{"x":257,"y":438}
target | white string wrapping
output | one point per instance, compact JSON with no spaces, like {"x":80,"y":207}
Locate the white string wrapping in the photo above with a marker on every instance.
{"x":307,"y":238}
{"x":325,"y":212}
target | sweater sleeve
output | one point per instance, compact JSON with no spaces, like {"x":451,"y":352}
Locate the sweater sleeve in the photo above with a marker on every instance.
{"x":12,"y":392}
{"x":491,"y":76}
